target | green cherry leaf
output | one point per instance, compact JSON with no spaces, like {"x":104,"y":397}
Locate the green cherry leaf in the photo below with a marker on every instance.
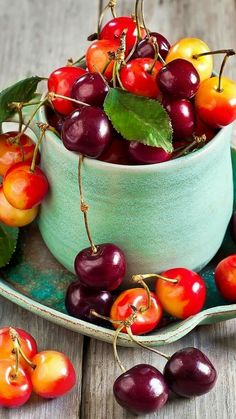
{"x":8,"y":241}
{"x":139,"y":118}
{"x":22,"y":91}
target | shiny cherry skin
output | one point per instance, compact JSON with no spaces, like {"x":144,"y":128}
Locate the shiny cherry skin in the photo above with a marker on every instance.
{"x":190,"y":373}
{"x":137,"y":78}
{"x":203,"y":129}
{"x":145,"y":48}
{"x":55,"y":120}
{"x":28,"y":345}
{"x":186,"y":48}
{"x":114,"y":28}
{"x":97,"y":57}
{"x":103,"y":270}
{"x":53,"y":375}
{"x":182,"y":116}
{"x":87,"y":131}
{"x":178,"y":79}
{"x":14,"y":217}
{"x":141,"y":390}
{"x":11,"y":153}
{"x":23,"y":188}
{"x":81,"y":300}
{"x":143,"y":154}
{"x":14,"y":391}
{"x":216,"y":109}
{"x":186,"y":297}
{"x":146,"y":320}
{"x":225,"y":278}
{"x":90,"y":88}
{"x":117,"y":152}
{"x":60,"y":82}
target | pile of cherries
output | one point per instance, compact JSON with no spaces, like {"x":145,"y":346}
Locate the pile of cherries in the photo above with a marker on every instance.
{"x":23,"y":369}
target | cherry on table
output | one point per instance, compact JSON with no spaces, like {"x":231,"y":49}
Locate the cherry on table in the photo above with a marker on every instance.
{"x":182,"y":116}
{"x":91,"y":89}
{"x":15,"y":388}
{"x":143,"y":154}
{"x":145,"y":48}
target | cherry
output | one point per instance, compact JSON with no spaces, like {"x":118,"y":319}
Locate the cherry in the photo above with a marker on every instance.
{"x":184,"y":298}
{"x":117,"y":152}
{"x":202,"y":129}
{"x":80,"y":300}
{"x":15,"y":386}
{"x":90,"y":88}
{"x":141,"y":390}
{"x":60,"y":82}
{"x":87,"y":131}
{"x":182,"y":117}
{"x":190,"y":373}
{"x":52,"y":375}
{"x":55,"y":120}
{"x":115,"y":27}
{"x":225,"y":278}
{"x":179,"y":79}
{"x":14,"y":217}
{"x":97,"y":57}
{"x":146,"y":318}
{"x":139,"y":77}
{"x":103,"y":269}
{"x":14,"y":152}
{"x":143,"y":154}
{"x":24,"y":188}
{"x":145,"y":48}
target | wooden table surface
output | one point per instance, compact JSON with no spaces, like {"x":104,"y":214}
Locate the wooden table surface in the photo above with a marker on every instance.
{"x":37,"y":37}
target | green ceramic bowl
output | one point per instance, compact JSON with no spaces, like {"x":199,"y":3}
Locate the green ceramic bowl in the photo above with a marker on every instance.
{"x":161,"y":215}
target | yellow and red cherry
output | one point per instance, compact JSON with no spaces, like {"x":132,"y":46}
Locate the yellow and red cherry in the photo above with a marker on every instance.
{"x":15,"y":386}
{"x":23,"y":187}
{"x":146,"y":320}
{"x":215,"y":105}
{"x":182,"y":116}
{"x":186,"y":49}
{"x":146,"y":49}
{"x":225,"y":278}
{"x":144,"y":154}
{"x":183,"y":297}
{"x":53,"y":374}
{"x":14,"y":217}
{"x":98,"y":58}
{"x":139,"y":77}
{"x":115,"y":27}
{"x":60,"y":82}
{"x":12,"y":151}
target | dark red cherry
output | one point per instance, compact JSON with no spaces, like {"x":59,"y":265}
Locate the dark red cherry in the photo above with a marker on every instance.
{"x":182,"y":117}
{"x":90,"y":88}
{"x":102,"y":270}
{"x":81,"y":300}
{"x":143,"y":154}
{"x":117,"y":152}
{"x":179,"y":79}
{"x":55,"y":120}
{"x":141,"y":390}
{"x":87,"y":131}
{"x":190,"y":373}
{"x":145,"y":47}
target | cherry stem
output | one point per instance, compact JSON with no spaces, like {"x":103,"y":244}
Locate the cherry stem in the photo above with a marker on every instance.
{"x":84,"y":207}
{"x":229,"y":52}
{"x":147,"y":276}
{"x":52,"y":96}
{"x":140,"y":280}
{"x":197,"y":141}
{"x":129,"y":331}
{"x":132,"y":50}
{"x":156,"y":55}
{"x":43,"y":128}
{"x":110,"y":5}
{"x":71,"y":63}
{"x":102,"y":77}
{"x":119,"y":59}
{"x":143,"y":19}
{"x":117,"y":358}
{"x":108,"y":319}
{"x":139,"y":36}
{"x":18,"y":351}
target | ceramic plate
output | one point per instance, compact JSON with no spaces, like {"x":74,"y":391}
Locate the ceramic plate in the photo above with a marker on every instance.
{"x":36,"y":281}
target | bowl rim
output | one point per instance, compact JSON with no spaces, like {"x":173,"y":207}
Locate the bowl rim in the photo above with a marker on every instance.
{"x":170,"y":164}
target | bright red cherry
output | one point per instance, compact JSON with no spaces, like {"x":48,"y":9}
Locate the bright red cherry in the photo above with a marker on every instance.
{"x":53,"y":375}
{"x":225,"y":278}
{"x":117,"y":152}
{"x":216,"y":108}
{"x":15,"y":390}
{"x":178,"y":79}
{"x":102,"y":270}
{"x":60,"y":82}
{"x":141,"y":390}
{"x":24,"y":188}
{"x":139,"y":77}
{"x":91,"y":89}
{"x":146,"y":320}
{"x":143,"y":154}
{"x":114,"y":28}
{"x":184,"y":298}
{"x":97,"y":57}
{"x":145,"y":47}
{"x":182,"y":117}
{"x":11,"y":153}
